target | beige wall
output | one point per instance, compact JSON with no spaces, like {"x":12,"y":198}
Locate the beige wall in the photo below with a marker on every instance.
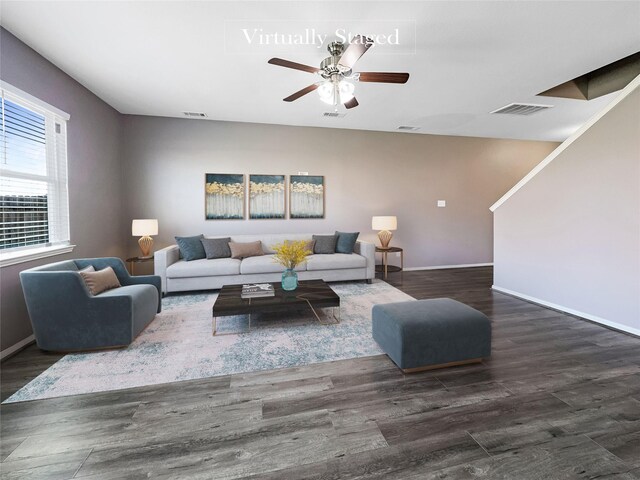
{"x":571,"y":235}
{"x":95,"y":175}
{"x":366,"y":174}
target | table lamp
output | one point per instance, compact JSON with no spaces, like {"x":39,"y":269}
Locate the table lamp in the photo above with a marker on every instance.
{"x":143,"y":228}
{"x":385,"y":225}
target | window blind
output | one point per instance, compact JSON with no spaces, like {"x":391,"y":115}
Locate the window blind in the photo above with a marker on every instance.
{"x":34,"y":205}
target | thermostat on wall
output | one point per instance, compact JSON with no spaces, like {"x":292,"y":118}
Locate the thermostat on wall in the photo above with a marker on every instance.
{"x":442,"y":203}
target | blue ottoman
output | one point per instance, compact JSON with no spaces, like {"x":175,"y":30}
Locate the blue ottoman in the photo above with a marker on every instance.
{"x":427,"y":334}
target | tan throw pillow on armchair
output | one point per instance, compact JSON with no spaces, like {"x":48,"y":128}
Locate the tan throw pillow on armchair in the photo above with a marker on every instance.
{"x":244,"y":250}
{"x":100,"y":281}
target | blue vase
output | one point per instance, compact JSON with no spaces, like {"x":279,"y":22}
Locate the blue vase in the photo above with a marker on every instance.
{"x":289,"y":280}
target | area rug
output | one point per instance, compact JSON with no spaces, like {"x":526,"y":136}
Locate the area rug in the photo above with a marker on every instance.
{"x":178,"y":345}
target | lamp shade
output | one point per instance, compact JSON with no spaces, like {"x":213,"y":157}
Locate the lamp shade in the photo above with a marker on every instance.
{"x":384,"y":223}
{"x":144,"y":227}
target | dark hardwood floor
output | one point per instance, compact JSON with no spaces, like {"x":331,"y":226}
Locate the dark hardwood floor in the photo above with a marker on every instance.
{"x":559,"y":399}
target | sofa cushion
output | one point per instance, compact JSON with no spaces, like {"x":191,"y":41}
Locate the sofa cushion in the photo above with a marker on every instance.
{"x":346,"y":242}
{"x":264,"y":264}
{"x":216,"y":247}
{"x":245,"y":250}
{"x":336,"y":261}
{"x":191,"y":247}
{"x":325,"y":244}
{"x":204,"y":268}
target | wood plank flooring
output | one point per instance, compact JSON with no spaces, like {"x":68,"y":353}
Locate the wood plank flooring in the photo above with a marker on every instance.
{"x":559,"y":399}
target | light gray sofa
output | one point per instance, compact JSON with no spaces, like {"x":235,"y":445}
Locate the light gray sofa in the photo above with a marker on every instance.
{"x":179,"y":276}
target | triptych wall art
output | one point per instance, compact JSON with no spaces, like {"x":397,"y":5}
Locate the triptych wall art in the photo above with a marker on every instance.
{"x":266,"y":196}
{"x":225,"y":196}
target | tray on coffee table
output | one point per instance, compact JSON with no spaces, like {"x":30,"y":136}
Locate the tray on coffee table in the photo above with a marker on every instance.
{"x":310,"y":294}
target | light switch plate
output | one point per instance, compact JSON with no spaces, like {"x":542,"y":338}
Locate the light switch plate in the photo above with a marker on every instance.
{"x":442,"y":203}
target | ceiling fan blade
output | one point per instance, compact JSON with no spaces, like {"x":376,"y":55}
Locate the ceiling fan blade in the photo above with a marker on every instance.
{"x":301,"y":93}
{"x":351,"y":103}
{"x":296,"y":66}
{"x":358,"y":46}
{"x":384,"y":77}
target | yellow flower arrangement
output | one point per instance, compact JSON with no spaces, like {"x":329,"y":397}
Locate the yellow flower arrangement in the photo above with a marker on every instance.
{"x":291,"y":253}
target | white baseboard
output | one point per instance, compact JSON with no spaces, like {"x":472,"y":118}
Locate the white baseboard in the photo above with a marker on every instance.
{"x":443,"y":267}
{"x":571,"y":311}
{"x":18,"y":346}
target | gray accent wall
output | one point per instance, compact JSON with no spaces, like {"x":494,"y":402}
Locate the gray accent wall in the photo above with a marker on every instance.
{"x":366,"y":173}
{"x":570,"y":237}
{"x":95,"y":173}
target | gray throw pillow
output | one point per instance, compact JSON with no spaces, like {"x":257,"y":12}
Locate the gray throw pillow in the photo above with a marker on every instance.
{"x":216,"y":247}
{"x":324,"y":243}
{"x":191,"y":247}
{"x":346,"y":242}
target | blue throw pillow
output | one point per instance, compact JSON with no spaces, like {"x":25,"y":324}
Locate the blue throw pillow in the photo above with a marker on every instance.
{"x":346,"y":242}
{"x":324,"y":244}
{"x":191,"y":248}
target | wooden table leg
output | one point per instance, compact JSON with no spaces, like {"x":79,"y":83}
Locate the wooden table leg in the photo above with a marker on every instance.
{"x":386,"y":263}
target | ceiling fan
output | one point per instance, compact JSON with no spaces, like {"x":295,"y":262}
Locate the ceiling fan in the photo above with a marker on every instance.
{"x":336,"y":86}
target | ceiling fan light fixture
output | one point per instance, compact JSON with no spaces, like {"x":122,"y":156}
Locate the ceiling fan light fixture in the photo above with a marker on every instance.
{"x":326,"y":92}
{"x":334,"y":93}
{"x":346,"y":90}
{"x":336,"y":87}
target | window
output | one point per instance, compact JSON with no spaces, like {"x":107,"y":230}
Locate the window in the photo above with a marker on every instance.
{"x":34,"y":205}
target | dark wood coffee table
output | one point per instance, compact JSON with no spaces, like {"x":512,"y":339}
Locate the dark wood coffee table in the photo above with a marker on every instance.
{"x":310,"y":294}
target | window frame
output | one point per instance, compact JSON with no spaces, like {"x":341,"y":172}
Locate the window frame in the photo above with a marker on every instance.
{"x":27,"y":253}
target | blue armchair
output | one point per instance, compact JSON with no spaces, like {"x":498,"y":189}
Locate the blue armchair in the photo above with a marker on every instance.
{"x":66,"y":317}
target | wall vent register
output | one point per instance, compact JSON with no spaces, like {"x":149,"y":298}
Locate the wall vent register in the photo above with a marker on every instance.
{"x":522,"y":109}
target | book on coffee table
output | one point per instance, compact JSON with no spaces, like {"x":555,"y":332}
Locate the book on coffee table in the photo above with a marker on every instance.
{"x":256,"y":290}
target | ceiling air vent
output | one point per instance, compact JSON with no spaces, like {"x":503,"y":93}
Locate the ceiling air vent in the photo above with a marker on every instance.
{"x":407,"y":128}
{"x":195,"y":114}
{"x":522,"y":109}
{"x":333,"y":114}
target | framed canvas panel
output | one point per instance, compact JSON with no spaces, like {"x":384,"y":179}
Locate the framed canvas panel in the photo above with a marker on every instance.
{"x":266,"y":196}
{"x":224,"y":196}
{"x":306,"y":196}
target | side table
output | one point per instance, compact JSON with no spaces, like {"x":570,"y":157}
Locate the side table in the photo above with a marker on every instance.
{"x":133,"y":260}
{"x":385,"y":267}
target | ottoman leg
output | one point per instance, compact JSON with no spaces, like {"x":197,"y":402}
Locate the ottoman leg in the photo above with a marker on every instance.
{"x":442,"y":365}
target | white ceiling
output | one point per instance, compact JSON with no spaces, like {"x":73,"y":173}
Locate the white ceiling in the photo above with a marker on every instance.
{"x":465,"y":59}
